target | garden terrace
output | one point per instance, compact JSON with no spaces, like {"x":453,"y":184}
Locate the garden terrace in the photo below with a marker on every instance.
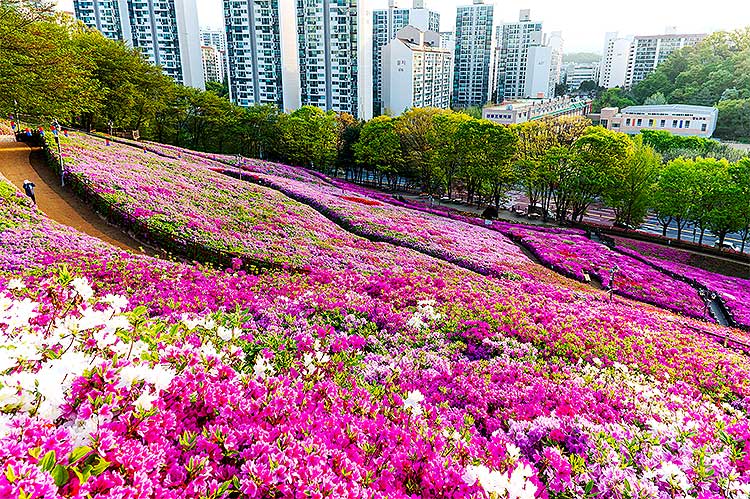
{"x":420,"y":378}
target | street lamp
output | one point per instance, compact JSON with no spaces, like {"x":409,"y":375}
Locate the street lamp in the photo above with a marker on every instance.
{"x":56,"y":133}
{"x":612,"y":275}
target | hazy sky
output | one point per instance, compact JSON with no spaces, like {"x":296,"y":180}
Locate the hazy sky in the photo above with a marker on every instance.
{"x":583,"y":22}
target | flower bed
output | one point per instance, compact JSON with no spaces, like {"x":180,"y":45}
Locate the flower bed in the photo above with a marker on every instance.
{"x":397,"y":376}
{"x":735,"y":292}
{"x":578,"y":257}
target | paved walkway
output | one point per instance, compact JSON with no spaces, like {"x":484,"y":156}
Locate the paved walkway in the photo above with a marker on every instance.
{"x":19,"y":162}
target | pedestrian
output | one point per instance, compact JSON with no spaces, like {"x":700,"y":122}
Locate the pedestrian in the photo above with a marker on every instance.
{"x":28,"y":186}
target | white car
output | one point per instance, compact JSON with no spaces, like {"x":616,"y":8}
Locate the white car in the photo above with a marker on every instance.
{"x":726,"y":245}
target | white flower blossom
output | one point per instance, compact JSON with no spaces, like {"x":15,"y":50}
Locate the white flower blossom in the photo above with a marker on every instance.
{"x":263,"y":369}
{"x":412,"y":402}
{"x":145,"y":402}
{"x":16,"y":284}
{"x":82,"y":287}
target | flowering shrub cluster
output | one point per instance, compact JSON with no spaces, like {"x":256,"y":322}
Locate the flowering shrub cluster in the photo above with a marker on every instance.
{"x":734,"y":291}
{"x":579,"y":257}
{"x":377,"y":371}
{"x":5,"y":128}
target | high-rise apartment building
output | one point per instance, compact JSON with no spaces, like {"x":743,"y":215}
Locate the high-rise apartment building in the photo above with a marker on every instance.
{"x":386,"y":23}
{"x":214,"y":38}
{"x":416,"y":71}
{"x":163,"y":30}
{"x":576,"y":74}
{"x":614,"y":66}
{"x":647,"y":52}
{"x":213,"y":67}
{"x":524,"y":65}
{"x":262,"y":52}
{"x":335,"y":55}
{"x":471,"y":76}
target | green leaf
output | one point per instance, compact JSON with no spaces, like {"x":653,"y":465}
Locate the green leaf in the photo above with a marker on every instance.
{"x":79,"y":453}
{"x":60,"y":475}
{"x":100,"y":467}
{"x":48,"y":462}
{"x":10,"y":474}
{"x":589,"y":487}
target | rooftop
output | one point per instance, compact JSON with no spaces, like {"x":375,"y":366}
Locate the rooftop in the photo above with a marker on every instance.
{"x":669,"y":108}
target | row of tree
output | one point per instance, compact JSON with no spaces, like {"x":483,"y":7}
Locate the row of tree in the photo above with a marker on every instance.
{"x":712,"y":73}
{"x":52,"y":67}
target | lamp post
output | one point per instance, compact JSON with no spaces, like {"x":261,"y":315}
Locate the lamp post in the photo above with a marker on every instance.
{"x":612,"y":274}
{"x":56,"y":132}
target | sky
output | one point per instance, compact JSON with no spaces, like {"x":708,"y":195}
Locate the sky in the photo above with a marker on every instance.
{"x":583,"y":22}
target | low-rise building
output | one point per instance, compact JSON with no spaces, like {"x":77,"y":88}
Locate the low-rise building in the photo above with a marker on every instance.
{"x":520,"y":111}
{"x":576,"y":74}
{"x":678,"y":119}
{"x":416,"y":71}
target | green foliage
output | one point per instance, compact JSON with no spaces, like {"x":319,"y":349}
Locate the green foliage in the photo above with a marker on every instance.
{"x":657,"y":99}
{"x":734,"y":119}
{"x":672,"y":146}
{"x":711,"y":72}
{"x":380,"y":147}
{"x":612,"y":97}
{"x":629,"y":195}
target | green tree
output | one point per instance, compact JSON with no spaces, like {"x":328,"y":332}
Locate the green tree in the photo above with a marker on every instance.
{"x":629,"y":195}
{"x":415,"y":129}
{"x":597,"y":155}
{"x":309,"y":136}
{"x":379,"y":148}
{"x":448,"y":151}
{"x":612,"y":97}
{"x":734,"y":119}
{"x":657,"y":99}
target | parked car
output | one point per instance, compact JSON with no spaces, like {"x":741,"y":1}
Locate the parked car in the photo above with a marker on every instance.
{"x":726,"y":245}
{"x":538,"y":211}
{"x":621,"y":225}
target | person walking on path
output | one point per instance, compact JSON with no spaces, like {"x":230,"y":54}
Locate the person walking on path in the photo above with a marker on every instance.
{"x":28,"y":186}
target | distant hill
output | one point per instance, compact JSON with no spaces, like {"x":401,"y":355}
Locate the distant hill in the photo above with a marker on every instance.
{"x":581,"y":57}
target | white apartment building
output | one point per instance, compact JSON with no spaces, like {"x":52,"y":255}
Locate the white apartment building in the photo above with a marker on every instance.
{"x":163,"y":30}
{"x":524,"y":66}
{"x":575,"y":74}
{"x":647,"y":52}
{"x":213,"y":67}
{"x":214,"y":38}
{"x":614,"y":67}
{"x":386,"y":23}
{"x":679,"y":119}
{"x":335,"y":55}
{"x":554,"y":40}
{"x":471,"y":76}
{"x":416,"y":71}
{"x":262,"y":53}
{"x":523,"y":110}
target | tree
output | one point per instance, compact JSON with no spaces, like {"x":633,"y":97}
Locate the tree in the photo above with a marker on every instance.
{"x":379,"y":148}
{"x":414,"y":128}
{"x":309,"y":136}
{"x":612,"y":97}
{"x":597,"y":154}
{"x":489,"y":149}
{"x":675,"y":194}
{"x":734,"y":119}
{"x":656,"y":99}
{"x":629,"y":195}
{"x":448,"y":151}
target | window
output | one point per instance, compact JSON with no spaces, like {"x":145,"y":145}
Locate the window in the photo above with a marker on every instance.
{"x":651,"y":122}
{"x":674,"y":123}
{"x":639,"y":122}
{"x":681,"y":123}
{"x":704,"y":127}
{"x":687,"y":123}
{"x":627,"y":122}
{"x":663,"y":123}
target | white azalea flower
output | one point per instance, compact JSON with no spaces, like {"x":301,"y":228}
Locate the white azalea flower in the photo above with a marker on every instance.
{"x":82,"y":287}
{"x":263,"y":369}
{"x":145,"y":402}
{"x":412,"y":402}
{"x":16,"y":284}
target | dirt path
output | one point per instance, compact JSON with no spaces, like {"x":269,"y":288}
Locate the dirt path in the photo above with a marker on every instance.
{"x":19,"y":162}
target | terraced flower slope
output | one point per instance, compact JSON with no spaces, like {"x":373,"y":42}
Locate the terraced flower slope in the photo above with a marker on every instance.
{"x":395,"y":375}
